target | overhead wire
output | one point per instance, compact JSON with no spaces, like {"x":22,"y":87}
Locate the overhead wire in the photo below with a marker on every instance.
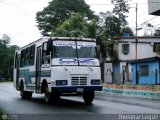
{"x":28,"y":13}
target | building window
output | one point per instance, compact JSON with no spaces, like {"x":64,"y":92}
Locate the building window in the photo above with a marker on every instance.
{"x":156,"y":47}
{"x":144,"y":70}
{"x":125,"y":48}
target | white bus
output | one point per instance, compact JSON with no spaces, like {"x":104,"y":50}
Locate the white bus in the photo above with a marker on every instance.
{"x":56,"y":67}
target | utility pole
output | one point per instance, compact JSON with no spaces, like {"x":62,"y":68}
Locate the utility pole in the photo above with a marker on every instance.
{"x":136,"y":41}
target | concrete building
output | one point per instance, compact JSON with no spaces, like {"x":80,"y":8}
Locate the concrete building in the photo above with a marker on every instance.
{"x":154,"y":7}
{"x":148,"y":71}
{"x":147,"y":47}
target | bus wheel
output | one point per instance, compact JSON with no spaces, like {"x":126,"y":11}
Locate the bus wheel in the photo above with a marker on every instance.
{"x":29,"y":95}
{"x":47,"y":94}
{"x":88,"y":96}
{"x":24,"y":94}
{"x":55,"y":96}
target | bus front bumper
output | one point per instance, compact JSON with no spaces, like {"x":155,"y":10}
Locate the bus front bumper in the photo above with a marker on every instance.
{"x":69,"y":89}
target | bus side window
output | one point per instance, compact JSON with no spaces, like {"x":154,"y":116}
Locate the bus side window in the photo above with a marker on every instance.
{"x":32,"y":55}
{"x":27,"y":55}
{"x":45,"y":54}
{"x":22,"y":62}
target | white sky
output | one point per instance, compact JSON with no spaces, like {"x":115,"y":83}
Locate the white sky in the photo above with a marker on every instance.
{"x":17,"y":17}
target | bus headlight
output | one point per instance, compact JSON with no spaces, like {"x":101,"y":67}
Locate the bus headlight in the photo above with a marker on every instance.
{"x":52,"y":83}
{"x":61,"y":82}
{"x":95,"y":82}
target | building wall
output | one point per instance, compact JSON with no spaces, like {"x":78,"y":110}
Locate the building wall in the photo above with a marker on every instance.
{"x":154,"y":7}
{"x":108,"y":70}
{"x":117,"y":74}
{"x":144,"y":48}
{"x":152,"y":77}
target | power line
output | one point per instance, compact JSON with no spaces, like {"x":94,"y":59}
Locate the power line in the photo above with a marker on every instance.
{"x":149,"y":20}
{"x":19,"y":10}
{"x":99,"y":4}
{"x":39,"y":1}
{"x":129,"y":3}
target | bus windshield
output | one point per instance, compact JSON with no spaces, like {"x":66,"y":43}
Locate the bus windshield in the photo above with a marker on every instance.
{"x":87,"y":52}
{"x":72,"y":49}
{"x":64,"y":52}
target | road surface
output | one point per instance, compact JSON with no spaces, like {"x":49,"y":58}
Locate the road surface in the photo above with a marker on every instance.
{"x":108,"y":107}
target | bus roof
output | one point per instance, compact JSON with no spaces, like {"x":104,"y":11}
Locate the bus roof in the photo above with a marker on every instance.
{"x":45,"y":38}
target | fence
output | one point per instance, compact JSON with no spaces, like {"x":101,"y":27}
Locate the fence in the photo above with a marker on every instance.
{"x":144,"y":77}
{"x":122,"y":78}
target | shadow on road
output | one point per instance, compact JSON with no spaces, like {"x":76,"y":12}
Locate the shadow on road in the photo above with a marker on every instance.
{"x":65,"y":103}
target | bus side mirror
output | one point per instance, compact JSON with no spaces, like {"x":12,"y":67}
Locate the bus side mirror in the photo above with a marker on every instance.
{"x":49,"y":45}
{"x":44,"y":46}
{"x":98,"y":52}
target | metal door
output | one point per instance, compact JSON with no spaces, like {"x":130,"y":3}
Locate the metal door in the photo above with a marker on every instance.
{"x":38,"y":69}
{"x":17,"y":71}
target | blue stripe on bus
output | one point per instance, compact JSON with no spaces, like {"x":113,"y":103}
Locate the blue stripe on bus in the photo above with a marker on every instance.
{"x":29,"y":74}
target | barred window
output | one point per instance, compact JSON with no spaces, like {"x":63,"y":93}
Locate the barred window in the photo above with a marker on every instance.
{"x":144,"y":70}
{"x":125,"y":48}
{"x":156,"y":47}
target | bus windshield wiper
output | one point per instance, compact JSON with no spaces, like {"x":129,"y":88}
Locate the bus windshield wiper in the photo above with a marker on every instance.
{"x":86,"y":60}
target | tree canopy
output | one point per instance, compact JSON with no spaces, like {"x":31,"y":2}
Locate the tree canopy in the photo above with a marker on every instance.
{"x":157,"y":32}
{"x":7,"y":57}
{"x":58,"y":11}
{"x":121,"y":7}
{"x":76,"y":26}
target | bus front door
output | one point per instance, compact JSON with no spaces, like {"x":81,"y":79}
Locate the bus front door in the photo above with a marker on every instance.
{"x":38,"y":69}
{"x":17,"y":72}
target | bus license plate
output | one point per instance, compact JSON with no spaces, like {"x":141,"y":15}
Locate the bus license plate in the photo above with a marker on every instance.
{"x":80,"y":90}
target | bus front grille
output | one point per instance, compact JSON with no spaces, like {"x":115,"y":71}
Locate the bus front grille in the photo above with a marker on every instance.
{"x":78,"y":81}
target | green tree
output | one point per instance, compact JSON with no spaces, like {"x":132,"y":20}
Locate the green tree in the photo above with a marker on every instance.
{"x":127,"y":30}
{"x":157,"y":32}
{"x":148,"y":29}
{"x":7,"y":57}
{"x":112,"y":25}
{"x":108,"y":31}
{"x":76,"y":26}
{"x":121,"y":7}
{"x":58,"y":11}
{"x":6,"y":39}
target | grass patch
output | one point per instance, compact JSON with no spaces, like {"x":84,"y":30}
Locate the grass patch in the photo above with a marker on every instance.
{"x":5,"y":81}
{"x":1,"y":113}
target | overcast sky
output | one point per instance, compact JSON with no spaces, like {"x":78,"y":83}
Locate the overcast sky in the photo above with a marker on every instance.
{"x":17,"y":17}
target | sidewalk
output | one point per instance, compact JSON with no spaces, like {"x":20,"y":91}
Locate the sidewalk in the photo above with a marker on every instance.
{"x":142,"y":91}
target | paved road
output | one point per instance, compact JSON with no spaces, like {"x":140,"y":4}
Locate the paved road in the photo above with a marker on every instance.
{"x":72,"y":108}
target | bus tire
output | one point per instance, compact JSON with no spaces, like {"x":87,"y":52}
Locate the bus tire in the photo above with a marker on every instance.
{"x":24,"y":94}
{"x":88,"y":96}
{"x":55,"y":96}
{"x":29,"y":95}
{"x":47,"y":94}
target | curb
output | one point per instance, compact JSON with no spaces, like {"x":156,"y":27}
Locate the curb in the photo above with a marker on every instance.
{"x":132,"y":93}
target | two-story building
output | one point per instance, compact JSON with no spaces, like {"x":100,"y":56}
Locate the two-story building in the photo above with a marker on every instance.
{"x":132,"y":54}
{"x":147,"y":47}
